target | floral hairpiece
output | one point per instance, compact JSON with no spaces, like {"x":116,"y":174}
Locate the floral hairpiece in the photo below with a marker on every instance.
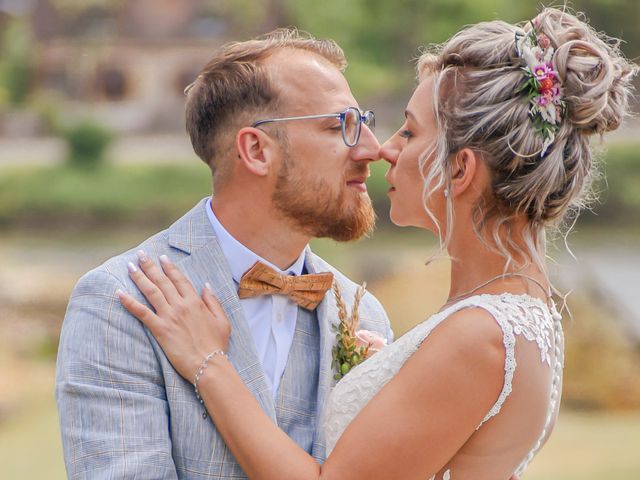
{"x":542,"y":84}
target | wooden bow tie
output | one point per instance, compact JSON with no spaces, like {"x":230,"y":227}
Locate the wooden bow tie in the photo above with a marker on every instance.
{"x":306,"y":290}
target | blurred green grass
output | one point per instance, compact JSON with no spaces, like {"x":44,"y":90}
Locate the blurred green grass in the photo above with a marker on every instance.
{"x":157,"y":194}
{"x":131,"y":194}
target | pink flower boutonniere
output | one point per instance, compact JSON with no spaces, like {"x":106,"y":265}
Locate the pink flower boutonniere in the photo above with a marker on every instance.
{"x":353,"y":346}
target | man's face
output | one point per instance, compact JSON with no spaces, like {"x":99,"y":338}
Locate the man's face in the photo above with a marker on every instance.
{"x":320,"y":185}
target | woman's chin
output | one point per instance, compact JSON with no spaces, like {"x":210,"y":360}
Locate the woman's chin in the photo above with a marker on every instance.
{"x":399,"y":220}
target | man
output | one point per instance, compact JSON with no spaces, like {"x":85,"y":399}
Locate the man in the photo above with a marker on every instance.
{"x":279,"y":181}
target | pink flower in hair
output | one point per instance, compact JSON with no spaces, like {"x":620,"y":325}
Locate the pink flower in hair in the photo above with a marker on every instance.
{"x":543,"y":71}
{"x":542,"y":84}
{"x":544,"y":41}
{"x":542,"y":100}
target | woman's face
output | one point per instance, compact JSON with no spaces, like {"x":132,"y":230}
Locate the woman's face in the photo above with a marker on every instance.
{"x":403,"y":151}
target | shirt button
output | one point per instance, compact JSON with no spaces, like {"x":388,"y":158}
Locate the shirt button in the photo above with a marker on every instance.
{"x":279,"y":317}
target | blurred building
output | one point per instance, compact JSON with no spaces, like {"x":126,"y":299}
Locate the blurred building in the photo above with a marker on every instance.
{"x":123,"y":63}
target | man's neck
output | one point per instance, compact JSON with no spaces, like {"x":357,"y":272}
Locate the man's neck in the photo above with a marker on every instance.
{"x":258,"y":229}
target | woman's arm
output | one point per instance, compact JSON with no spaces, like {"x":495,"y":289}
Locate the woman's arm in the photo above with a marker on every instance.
{"x":410,"y":429}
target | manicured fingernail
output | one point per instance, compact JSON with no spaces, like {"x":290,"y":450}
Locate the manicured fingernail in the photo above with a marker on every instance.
{"x":164,"y":259}
{"x":120,"y":293}
{"x":207,"y":285}
{"x":131,"y":267}
{"x":142,"y":256}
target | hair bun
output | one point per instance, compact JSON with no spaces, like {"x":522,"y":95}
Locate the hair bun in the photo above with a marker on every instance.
{"x":596,"y":77}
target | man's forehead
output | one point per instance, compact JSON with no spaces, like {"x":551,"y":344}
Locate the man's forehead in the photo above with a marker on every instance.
{"x":308,"y":82}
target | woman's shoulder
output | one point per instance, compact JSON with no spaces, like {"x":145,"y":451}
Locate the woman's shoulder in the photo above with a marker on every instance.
{"x":466,"y":337}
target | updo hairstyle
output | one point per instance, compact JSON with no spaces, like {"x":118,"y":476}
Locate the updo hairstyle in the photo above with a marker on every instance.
{"x":479,"y":104}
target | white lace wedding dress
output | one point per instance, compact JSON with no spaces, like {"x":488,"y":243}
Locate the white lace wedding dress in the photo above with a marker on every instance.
{"x":521,"y":317}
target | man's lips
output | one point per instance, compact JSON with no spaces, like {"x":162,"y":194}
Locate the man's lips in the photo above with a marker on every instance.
{"x":358,"y":183}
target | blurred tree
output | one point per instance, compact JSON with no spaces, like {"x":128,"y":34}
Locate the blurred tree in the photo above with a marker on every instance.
{"x":16,"y":63}
{"x":87,"y":142}
{"x":382,"y":38}
{"x":618,"y":18}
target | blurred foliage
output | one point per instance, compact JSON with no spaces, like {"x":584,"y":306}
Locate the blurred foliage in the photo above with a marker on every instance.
{"x":16,"y":68}
{"x":602,"y":363}
{"x":619,"y":195}
{"x":127,"y":193}
{"x":382,"y":38}
{"x":85,"y":199}
{"x":79,"y":5}
{"x":87,"y":142}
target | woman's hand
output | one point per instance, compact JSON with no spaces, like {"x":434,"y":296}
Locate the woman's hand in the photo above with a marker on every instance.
{"x":187,"y":326}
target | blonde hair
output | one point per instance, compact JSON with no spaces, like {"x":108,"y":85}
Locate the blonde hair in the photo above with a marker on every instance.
{"x":235,"y":87}
{"x":478,"y":104}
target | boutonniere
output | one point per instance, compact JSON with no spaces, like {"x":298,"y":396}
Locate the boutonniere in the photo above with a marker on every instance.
{"x":353,"y":345}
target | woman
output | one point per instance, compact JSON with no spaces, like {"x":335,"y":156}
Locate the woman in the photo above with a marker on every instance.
{"x":494,"y":151}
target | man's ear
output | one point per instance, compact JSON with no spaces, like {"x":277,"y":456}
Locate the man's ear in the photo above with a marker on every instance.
{"x":256,"y":150}
{"x":464,"y":170}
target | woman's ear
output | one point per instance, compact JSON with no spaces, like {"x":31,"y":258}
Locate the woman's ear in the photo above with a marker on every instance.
{"x":464,"y":171}
{"x":256,"y":150}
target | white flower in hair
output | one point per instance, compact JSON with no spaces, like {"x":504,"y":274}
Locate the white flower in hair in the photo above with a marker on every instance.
{"x":542,"y":85}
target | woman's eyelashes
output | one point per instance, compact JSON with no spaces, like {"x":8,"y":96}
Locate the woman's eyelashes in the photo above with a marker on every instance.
{"x":405,"y":133}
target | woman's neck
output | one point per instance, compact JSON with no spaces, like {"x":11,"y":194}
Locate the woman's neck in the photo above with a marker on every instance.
{"x":477,"y":268}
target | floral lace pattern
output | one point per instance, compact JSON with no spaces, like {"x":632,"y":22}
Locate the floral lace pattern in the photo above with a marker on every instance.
{"x":517,"y":315}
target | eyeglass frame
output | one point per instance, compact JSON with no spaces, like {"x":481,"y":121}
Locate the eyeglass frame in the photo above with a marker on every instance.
{"x":367,"y":117}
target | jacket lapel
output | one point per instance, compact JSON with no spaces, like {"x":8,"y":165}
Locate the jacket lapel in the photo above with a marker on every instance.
{"x":194,"y":235}
{"x":327,"y":314}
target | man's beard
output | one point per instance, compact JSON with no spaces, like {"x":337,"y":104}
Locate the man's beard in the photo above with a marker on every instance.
{"x":314,"y":209}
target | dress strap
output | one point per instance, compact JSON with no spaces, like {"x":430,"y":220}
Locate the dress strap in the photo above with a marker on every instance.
{"x":509,"y":342}
{"x":516,"y":315}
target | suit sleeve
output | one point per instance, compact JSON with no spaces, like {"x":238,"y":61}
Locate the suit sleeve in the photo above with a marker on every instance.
{"x":110,"y":391}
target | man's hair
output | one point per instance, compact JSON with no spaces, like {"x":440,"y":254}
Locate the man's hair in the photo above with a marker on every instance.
{"x":235,"y":87}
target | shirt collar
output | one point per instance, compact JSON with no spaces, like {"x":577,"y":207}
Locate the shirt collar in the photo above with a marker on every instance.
{"x":239,"y":257}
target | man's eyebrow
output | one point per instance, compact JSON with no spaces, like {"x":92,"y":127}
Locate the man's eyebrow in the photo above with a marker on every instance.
{"x":408,"y":114}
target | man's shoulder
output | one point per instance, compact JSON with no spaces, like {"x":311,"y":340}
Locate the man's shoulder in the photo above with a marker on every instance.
{"x":116,"y":266}
{"x":172,"y":241}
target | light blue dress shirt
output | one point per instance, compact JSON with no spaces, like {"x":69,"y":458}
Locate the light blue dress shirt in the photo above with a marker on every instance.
{"x":271,"y":318}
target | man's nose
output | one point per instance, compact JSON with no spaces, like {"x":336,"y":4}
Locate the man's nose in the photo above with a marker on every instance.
{"x":367,"y":148}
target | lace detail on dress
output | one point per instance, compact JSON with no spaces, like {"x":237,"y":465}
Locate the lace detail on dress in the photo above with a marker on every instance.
{"x":519,"y":315}
{"x":515,"y":314}
{"x":555,"y":388}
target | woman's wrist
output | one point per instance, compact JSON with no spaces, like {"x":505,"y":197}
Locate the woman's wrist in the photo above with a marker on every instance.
{"x":206,"y":365}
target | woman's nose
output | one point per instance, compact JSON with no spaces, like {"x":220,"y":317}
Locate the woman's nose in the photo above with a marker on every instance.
{"x":389,"y":151}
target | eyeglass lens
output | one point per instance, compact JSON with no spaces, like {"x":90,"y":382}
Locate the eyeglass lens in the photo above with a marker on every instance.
{"x":351,"y":127}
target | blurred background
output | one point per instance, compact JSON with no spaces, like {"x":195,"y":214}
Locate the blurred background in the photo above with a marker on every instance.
{"x":94,"y":158}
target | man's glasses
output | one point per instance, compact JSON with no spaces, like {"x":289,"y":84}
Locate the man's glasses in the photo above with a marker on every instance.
{"x":351,"y":120}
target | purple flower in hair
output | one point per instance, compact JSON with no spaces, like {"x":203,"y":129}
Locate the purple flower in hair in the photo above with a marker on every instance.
{"x":544,"y":70}
{"x":542,"y":84}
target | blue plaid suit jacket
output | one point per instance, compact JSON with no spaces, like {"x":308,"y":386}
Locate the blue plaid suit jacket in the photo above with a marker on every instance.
{"x":124,"y":411}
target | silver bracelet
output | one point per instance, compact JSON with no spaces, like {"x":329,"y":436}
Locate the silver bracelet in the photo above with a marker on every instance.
{"x":200,"y":372}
